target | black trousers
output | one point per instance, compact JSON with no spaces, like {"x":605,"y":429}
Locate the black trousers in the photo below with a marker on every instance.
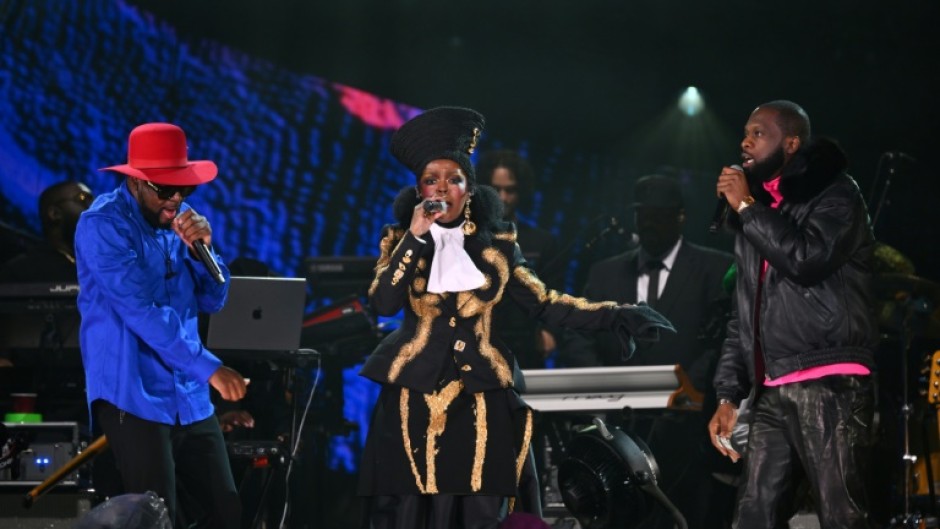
{"x":187,"y":466}
{"x":818,"y":429}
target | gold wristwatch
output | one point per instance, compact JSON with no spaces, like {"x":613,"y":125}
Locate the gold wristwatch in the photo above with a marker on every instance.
{"x":745,"y":202}
{"x":722,"y":402}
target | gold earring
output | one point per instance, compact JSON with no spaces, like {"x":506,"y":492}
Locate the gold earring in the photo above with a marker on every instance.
{"x":417,"y":193}
{"x":469,"y":228}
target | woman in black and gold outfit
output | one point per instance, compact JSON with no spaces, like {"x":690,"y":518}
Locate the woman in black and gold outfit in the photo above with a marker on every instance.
{"x":450,"y":434}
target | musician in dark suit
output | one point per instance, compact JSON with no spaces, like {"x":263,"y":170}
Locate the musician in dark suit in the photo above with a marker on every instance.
{"x":689,"y":279}
{"x":682,"y":281}
{"x":450,"y":435}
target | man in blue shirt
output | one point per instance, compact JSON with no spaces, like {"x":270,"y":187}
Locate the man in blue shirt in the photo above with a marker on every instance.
{"x":147,"y":372}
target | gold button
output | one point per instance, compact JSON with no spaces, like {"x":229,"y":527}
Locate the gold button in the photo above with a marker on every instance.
{"x":453,"y":321}
{"x":459,"y":345}
{"x":465,"y":367}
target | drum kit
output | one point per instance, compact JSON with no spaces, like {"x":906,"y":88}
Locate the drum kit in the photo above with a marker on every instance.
{"x":908,"y":310}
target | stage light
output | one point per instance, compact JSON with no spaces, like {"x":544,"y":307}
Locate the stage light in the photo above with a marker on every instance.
{"x":691,"y":101}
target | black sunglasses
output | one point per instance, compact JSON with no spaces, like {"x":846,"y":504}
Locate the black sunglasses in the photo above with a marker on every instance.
{"x":165,"y":192}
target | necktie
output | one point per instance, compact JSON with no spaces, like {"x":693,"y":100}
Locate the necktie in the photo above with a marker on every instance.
{"x":652,"y":267}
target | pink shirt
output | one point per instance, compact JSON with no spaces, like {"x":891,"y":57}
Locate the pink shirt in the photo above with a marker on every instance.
{"x":812,"y":373}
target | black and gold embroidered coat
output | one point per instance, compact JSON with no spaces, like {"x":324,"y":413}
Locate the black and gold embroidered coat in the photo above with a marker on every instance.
{"x":449,"y":419}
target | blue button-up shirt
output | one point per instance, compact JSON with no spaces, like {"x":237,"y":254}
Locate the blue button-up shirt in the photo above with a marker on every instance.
{"x":140,"y":293}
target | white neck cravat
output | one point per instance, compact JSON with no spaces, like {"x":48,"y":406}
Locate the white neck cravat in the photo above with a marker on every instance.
{"x":452,"y":270}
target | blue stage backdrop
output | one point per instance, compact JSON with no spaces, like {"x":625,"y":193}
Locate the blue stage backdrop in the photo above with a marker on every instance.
{"x":304,"y":162}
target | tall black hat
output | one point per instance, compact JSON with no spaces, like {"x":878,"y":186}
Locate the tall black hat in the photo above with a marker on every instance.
{"x":449,"y":133}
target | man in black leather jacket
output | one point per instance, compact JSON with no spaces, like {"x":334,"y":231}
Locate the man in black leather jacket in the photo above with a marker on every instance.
{"x":802,"y":338}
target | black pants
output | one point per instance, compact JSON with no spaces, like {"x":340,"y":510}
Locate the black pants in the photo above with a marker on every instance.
{"x":820,"y":429}
{"x":187,"y":465}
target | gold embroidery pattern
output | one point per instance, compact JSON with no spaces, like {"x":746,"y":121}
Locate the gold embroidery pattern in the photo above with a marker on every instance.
{"x":406,"y":438}
{"x":523,"y":452}
{"x":385,"y":247}
{"x":479,"y":455}
{"x":495,"y":258}
{"x":375,"y":284}
{"x":426,"y":310}
{"x":468,"y":305}
{"x":438,"y":403}
{"x":385,"y":252}
{"x":496,"y":360}
{"x":506,"y":236}
{"x":543,"y":294}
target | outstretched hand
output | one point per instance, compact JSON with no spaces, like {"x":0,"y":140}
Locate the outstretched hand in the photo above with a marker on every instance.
{"x":229,"y":383}
{"x":638,"y":323}
{"x":644,"y":322}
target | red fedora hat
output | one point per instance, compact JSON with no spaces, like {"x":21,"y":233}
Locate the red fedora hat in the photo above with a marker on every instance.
{"x":157,"y":152}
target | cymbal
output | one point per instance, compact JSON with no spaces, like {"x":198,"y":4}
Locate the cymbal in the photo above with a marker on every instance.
{"x":897,"y":294}
{"x":888,"y":259}
{"x":897,"y":287}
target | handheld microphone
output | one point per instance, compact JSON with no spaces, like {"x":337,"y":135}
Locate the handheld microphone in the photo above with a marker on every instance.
{"x":207,"y":260}
{"x":721,"y":208}
{"x":433,"y":206}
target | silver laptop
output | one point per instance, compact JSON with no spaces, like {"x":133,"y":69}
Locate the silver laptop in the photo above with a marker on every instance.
{"x":261,"y":314}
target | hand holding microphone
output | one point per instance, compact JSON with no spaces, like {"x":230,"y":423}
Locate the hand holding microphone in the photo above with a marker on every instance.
{"x":194,"y":229}
{"x":426,"y":212}
{"x":730,"y":184}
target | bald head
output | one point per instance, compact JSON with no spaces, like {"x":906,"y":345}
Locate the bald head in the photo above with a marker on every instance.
{"x":791,"y":118}
{"x":59,"y":208}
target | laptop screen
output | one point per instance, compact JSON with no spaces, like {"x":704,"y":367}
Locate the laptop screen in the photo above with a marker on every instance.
{"x":261,"y":313}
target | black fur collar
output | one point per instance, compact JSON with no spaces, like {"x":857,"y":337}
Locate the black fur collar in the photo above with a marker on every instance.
{"x":811,"y":170}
